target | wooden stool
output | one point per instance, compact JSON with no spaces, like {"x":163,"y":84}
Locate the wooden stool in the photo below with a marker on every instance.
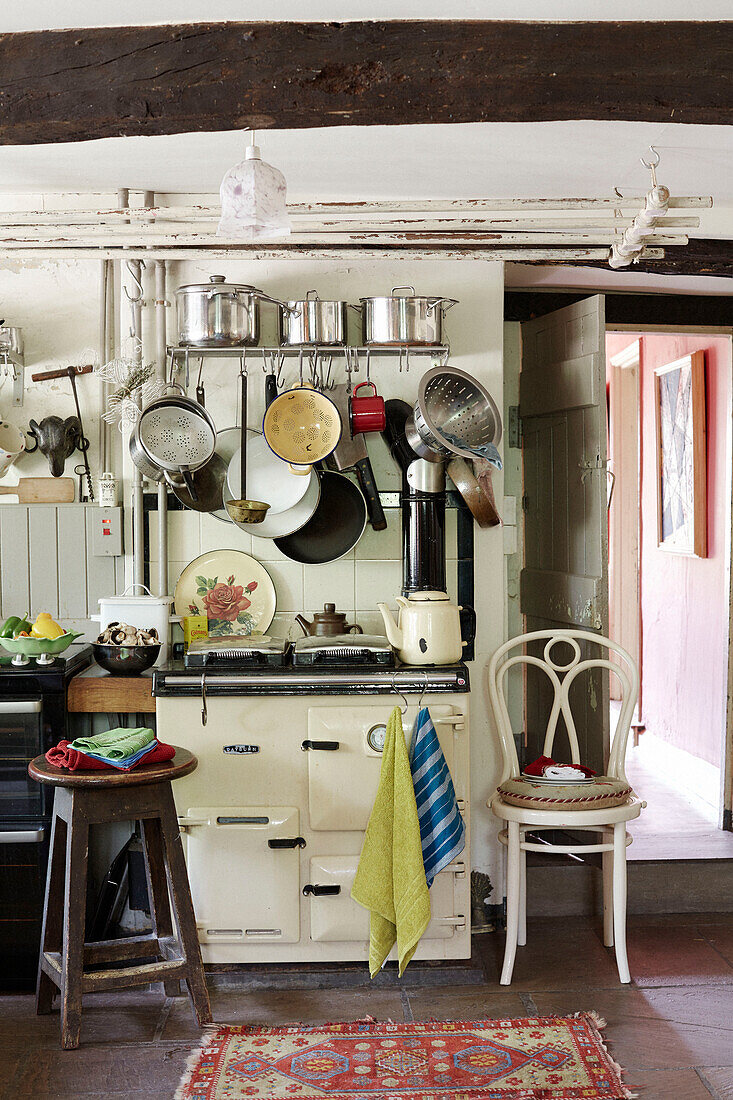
{"x":89,"y":798}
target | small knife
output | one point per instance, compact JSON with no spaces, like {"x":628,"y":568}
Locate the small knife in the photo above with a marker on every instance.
{"x":351,"y":453}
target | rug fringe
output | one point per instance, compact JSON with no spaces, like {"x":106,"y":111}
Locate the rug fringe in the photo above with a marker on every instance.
{"x":598,"y":1023}
{"x":209,"y":1030}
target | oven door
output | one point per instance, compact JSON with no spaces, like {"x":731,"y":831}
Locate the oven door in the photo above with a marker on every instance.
{"x":22,"y":800}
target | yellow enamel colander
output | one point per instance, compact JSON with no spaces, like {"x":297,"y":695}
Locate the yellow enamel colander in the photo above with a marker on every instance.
{"x":302,"y":426}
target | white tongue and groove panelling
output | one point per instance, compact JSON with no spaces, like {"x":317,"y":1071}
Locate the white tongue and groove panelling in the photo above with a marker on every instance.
{"x":47,"y":564}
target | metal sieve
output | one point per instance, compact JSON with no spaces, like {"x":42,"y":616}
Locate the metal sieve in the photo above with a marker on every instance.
{"x":177,"y":433}
{"x":454,"y":414}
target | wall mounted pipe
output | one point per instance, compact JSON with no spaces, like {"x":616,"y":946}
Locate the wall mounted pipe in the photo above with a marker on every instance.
{"x":160,"y":363}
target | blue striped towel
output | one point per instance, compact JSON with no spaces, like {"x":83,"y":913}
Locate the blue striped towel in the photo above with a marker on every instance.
{"x":442,"y":829}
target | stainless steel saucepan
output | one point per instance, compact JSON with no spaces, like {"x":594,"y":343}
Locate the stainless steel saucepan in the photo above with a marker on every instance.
{"x":313,"y":321}
{"x":218,"y":314}
{"x":414,"y":319}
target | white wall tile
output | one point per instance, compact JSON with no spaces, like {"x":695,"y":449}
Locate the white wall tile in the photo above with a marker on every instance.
{"x":377,"y":582}
{"x":451,"y":577}
{"x":217,"y":535}
{"x":265,"y":550}
{"x":184,"y":540}
{"x":383,"y":544}
{"x":334,"y":583}
{"x":451,"y":532}
{"x":287,"y":577}
{"x":371,"y":622}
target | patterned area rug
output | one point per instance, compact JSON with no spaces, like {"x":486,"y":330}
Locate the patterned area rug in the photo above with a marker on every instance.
{"x":541,"y":1058}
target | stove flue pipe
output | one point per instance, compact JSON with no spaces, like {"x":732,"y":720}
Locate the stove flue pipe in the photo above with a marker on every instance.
{"x":423,"y":508}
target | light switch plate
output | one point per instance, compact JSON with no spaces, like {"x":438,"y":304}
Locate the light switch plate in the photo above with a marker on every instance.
{"x":106,"y":527}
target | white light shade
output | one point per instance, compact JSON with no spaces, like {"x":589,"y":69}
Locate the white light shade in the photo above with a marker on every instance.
{"x":253,"y":200}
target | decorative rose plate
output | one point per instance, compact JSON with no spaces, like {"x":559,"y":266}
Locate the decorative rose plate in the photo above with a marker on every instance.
{"x":232,"y":589}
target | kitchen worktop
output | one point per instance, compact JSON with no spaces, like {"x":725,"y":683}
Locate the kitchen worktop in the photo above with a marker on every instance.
{"x":96,"y":691}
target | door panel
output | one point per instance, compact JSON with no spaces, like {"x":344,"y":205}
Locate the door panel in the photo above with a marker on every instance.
{"x":339,"y":918}
{"x":342,"y":783}
{"x":242,"y":889}
{"x":565,"y":577}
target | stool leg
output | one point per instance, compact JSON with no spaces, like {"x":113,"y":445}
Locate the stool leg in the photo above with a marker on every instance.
{"x":185,"y":916}
{"x":160,"y":907}
{"x":512,"y":901}
{"x":607,"y":891}
{"x":53,"y":909}
{"x":619,"y":900}
{"x":72,"y":961}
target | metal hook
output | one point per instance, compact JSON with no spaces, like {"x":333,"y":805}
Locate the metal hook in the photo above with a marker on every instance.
{"x":653,"y":166}
{"x":655,"y":163}
{"x":204,"y":707}
{"x":402,"y":696}
{"x":424,"y":689}
{"x":134,"y":299}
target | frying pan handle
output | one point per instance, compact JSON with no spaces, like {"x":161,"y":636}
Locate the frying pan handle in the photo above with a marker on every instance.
{"x":270,"y":389}
{"x":369,"y":488}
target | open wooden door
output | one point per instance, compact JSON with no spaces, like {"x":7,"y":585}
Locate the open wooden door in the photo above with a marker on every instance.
{"x":562,"y":405}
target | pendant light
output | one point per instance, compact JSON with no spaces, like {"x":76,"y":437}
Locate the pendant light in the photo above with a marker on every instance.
{"x":253,"y":200}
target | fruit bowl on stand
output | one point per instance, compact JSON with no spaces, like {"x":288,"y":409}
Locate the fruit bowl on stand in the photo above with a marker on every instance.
{"x":43,"y":649}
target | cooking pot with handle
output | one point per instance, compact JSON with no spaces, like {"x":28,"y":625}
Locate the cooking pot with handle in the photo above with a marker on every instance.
{"x":312,"y":321}
{"x":414,"y":319}
{"x":218,"y":314}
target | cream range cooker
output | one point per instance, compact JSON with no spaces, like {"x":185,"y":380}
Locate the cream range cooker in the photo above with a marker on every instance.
{"x":273,"y":818}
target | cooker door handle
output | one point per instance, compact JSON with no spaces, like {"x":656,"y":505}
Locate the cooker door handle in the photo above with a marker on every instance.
{"x":323,"y":746}
{"x":320,"y":891}
{"x":286,"y":842}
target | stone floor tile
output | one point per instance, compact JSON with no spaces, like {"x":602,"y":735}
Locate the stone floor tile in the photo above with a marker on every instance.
{"x":317,"y":1006}
{"x":561,"y":953}
{"x":666,"y":1084}
{"x":667,"y":1028}
{"x":683,"y":955}
{"x":721,"y":1080}
{"x":468,"y":1003}
{"x":106,"y":1018}
{"x":111,"y":1071}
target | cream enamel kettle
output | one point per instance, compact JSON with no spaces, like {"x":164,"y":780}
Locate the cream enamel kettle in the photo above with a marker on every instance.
{"x":428,"y":631}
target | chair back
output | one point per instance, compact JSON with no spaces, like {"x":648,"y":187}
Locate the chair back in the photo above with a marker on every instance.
{"x":562,"y":677}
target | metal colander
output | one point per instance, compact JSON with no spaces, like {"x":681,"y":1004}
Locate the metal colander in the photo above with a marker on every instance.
{"x":454,"y":414}
{"x":176,"y":436}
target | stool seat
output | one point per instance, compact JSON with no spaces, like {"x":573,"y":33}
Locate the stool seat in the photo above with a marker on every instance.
{"x":183,"y":763}
{"x":67,"y":963}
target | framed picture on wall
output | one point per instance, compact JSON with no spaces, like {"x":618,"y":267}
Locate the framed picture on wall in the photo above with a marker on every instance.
{"x":682,"y":455}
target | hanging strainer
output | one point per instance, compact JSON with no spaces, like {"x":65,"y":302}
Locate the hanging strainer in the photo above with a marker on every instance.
{"x":177,"y":433}
{"x":454,"y":414}
{"x":302,"y":426}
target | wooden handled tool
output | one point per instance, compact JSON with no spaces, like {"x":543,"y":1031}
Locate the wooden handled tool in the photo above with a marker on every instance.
{"x":42,"y":490}
{"x":65,"y":372}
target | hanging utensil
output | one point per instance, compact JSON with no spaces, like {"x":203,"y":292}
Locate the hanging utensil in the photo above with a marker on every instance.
{"x":337,"y":524}
{"x":204,"y":492}
{"x":244,"y":510}
{"x":454,"y":415}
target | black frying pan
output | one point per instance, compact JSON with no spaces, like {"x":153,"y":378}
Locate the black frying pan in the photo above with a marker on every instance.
{"x":337,"y":524}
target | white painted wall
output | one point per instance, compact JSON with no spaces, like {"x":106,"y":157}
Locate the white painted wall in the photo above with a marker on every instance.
{"x":57,"y":306}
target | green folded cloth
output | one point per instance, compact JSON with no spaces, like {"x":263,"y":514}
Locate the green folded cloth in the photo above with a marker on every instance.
{"x":116,"y":744}
{"x":390,"y":879}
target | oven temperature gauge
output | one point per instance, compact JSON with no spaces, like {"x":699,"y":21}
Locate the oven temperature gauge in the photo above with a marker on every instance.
{"x":376,"y":737}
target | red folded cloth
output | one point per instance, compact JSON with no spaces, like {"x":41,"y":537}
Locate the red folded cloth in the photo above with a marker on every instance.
{"x":537,"y":767}
{"x":63,"y":756}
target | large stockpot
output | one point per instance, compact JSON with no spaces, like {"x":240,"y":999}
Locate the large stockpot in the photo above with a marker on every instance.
{"x":218,"y":314}
{"x":313,"y":321}
{"x":413,"y":319}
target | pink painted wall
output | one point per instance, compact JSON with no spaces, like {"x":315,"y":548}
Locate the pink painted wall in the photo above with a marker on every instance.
{"x":684,"y":600}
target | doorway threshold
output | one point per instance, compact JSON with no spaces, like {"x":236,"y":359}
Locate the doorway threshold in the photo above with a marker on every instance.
{"x":678,"y":823}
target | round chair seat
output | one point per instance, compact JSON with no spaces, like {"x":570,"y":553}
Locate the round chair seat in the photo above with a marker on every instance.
{"x":182,"y":764}
{"x":602,"y":794}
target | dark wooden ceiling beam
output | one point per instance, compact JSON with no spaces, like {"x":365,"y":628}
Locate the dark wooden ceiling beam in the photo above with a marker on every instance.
{"x":101,"y":82}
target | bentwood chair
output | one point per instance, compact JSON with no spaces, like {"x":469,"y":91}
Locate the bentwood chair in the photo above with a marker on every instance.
{"x":528,"y":807}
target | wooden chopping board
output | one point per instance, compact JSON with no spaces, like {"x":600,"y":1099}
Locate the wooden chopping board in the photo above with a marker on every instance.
{"x":42,"y":490}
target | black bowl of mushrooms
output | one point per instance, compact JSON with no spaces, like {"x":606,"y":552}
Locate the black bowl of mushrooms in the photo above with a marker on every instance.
{"x":125,"y":650}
